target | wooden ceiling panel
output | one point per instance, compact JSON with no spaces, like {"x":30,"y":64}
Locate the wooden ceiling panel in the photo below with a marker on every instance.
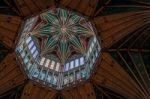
{"x":112,"y":30}
{"x":84,"y":91}
{"x":9,"y":26}
{"x":86,"y":7}
{"x":10,"y":74}
{"x":29,"y":7}
{"x":33,"y":91}
{"x":111,"y":75}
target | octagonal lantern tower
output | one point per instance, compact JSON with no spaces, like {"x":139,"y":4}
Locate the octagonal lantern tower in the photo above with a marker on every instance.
{"x":58,"y":48}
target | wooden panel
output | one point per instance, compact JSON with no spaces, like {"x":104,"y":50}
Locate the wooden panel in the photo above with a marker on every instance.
{"x":73,"y":3}
{"x":33,"y":8}
{"x":84,"y":91}
{"x":23,"y":8}
{"x":33,"y":91}
{"x":29,"y":7}
{"x":10,"y":74}
{"x":86,"y":7}
{"x":111,"y":75}
{"x":9,"y":26}
{"x":114,"y":27}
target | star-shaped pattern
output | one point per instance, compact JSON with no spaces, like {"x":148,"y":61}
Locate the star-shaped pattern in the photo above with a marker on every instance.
{"x":63,"y":32}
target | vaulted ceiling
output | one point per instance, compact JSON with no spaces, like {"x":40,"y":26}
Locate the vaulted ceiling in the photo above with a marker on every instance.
{"x":122,"y":71}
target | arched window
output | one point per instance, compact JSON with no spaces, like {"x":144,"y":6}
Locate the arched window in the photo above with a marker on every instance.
{"x":57,"y":66}
{"x":71,"y":64}
{"x":52,"y":64}
{"x":67,"y":67}
{"x":47,"y":63}
{"x":30,"y":45}
{"x":42,"y":61}
{"x":81,"y":61}
{"x":77,"y":63}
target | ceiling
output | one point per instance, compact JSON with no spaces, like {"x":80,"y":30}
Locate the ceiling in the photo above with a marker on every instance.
{"x":122,"y":71}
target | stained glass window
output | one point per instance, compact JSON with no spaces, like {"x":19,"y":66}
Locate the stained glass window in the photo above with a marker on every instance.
{"x":28,"y":40}
{"x":78,"y":75}
{"x":49,"y":77}
{"x":29,"y":65}
{"x":67,"y":67}
{"x":23,"y":54}
{"x":65,"y":80}
{"x":71,"y":77}
{"x":57,"y":66}
{"x":35,"y":54}
{"x":76,"y":62}
{"x":42,"y":61}
{"x":36,"y":72}
{"x":71,"y":64}
{"x":52,"y":64}
{"x":54,"y":80}
{"x":82,"y":61}
{"x":33,"y":49}
{"x":30,"y":45}
{"x":26,"y":60}
{"x":42,"y":75}
{"x":47,"y":63}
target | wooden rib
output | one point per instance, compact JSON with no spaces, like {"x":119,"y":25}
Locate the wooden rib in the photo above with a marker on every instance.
{"x":148,"y":37}
{"x":142,"y":2}
{"x":126,"y":6}
{"x":114,"y":27}
{"x":85,"y":91}
{"x":111,"y":75}
{"x":146,"y":86}
{"x":139,"y":30}
{"x":9,"y":26}
{"x":86,"y":7}
{"x":13,"y":8}
{"x":139,"y":36}
{"x":22,"y":8}
{"x":102,"y":90}
{"x":33,"y":91}
{"x":10,"y":75}
{"x":100,"y":9}
{"x":33,"y":8}
{"x":145,"y":93}
{"x":126,"y":49}
{"x":29,"y":7}
{"x":144,"y":69}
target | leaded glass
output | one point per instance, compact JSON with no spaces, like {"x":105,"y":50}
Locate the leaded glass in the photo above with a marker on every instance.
{"x":28,"y":40}
{"x":71,"y":64}
{"x":67,"y":67}
{"x":52,"y":64}
{"x":82,"y":61}
{"x":42,"y":61}
{"x":30,"y":45}
{"x":57,"y":66}
{"x":33,"y":49}
{"x":47,"y":63}
{"x":76,"y":62}
{"x":35,"y":54}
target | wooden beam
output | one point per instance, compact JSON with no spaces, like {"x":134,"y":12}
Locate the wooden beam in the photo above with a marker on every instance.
{"x":10,"y":74}
{"x":112,"y":76}
{"x":33,"y":91}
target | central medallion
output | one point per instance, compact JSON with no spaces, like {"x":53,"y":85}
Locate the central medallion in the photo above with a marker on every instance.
{"x":63,"y":29}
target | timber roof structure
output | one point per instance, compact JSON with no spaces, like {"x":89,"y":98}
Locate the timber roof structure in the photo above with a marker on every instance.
{"x":121,"y":29}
